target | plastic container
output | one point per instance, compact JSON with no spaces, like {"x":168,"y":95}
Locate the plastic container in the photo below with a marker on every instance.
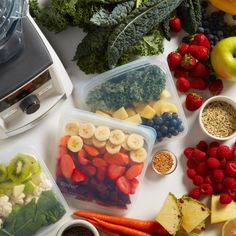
{"x":88,"y":98}
{"x":38,"y":183}
{"x":92,"y":174}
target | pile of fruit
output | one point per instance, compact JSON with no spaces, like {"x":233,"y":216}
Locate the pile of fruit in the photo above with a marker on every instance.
{"x":212,"y":169}
{"x":99,"y":163}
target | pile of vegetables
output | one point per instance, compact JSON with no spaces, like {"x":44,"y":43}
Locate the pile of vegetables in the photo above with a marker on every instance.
{"x":117,"y":30}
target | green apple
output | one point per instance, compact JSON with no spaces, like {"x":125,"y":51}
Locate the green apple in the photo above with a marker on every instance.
{"x":223,"y":58}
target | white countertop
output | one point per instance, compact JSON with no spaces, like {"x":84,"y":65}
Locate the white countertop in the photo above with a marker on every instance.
{"x":154,"y":188}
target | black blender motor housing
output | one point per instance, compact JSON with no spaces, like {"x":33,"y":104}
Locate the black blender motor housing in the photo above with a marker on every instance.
{"x":33,"y":59}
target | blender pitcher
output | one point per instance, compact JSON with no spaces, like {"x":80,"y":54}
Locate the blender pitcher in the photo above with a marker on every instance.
{"x":11,"y":32}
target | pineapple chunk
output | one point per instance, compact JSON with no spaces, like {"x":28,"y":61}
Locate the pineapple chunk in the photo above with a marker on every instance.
{"x":193,"y":213}
{"x":139,"y":106}
{"x":165,"y":94}
{"x":170,"y":216}
{"x":120,"y":114}
{"x":109,"y":112}
{"x":102,"y":113}
{"x":220,"y":212}
{"x":130,"y":112}
{"x":136,"y":119}
{"x":162,"y":106}
{"x":148,"y":112}
{"x":152,"y":103}
{"x":158,"y":106}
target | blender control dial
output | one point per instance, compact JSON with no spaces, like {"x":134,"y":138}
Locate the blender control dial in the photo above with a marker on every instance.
{"x":30,"y":104}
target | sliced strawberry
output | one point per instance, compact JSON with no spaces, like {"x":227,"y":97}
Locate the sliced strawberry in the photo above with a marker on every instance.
{"x":123,"y":185}
{"x":133,"y":185}
{"x":63,"y":140}
{"x":120,"y":159}
{"x":102,"y":150}
{"x":78,"y":176}
{"x":101,"y":172}
{"x":134,"y":171}
{"x":114,"y":171}
{"x":67,"y":165}
{"x":58,"y":169}
{"x":92,"y":151}
{"x":62,"y":150}
{"x":99,"y":162}
{"x":90,"y":170}
{"x":82,"y":158}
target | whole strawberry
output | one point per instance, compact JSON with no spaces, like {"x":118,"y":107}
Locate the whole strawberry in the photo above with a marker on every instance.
{"x":216,"y":87}
{"x":188,"y":62}
{"x":199,"y":52}
{"x":174,"y":59}
{"x":193,"y":101}
{"x":183,"y":48}
{"x":182,"y":84}
{"x":201,"y":40}
{"x":200,"y":70}
{"x":181,"y":72}
{"x":175,"y":24}
{"x":198,"y":84}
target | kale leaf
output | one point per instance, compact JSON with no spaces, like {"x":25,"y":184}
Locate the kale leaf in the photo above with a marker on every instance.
{"x":166,"y":27}
{"x":140,"y":21}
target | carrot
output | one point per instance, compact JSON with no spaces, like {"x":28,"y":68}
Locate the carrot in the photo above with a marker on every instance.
{"x":143,"y":225}
{"x":121,"y":229}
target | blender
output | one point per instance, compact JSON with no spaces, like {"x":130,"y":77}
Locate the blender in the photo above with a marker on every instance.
{"x":32,"y":78}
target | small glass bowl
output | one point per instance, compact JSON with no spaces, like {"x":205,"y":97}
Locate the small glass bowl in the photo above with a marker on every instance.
{"x":164,"y":152}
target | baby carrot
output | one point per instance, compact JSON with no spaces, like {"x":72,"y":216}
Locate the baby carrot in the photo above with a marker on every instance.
{"x":148,"y":226}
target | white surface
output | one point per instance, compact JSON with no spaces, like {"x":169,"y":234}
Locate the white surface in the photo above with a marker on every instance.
{"x":155,"y":188}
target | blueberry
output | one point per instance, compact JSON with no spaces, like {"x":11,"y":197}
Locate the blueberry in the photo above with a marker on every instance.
{"x":159,"y":139}
{"x":174,"y":122}
{"x":150,"y":123}
{"x":144,"y":121}
{"x":164,"y":130}
{"x":166,"y":116}
{"x":158,"y":120}
{"x":181,"y":128}
{"x":156,"y":127}
{"x":174,"y":115}
{"x":212,"y":77}
{"x":201,"y":30}
{"x":167,"y":123}
{"x":169,"y":135}
{"x":159,"y":135}
{"x":179,"y":123}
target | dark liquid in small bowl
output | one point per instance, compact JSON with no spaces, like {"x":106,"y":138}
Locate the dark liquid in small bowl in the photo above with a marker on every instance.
{"x":77,"y":231}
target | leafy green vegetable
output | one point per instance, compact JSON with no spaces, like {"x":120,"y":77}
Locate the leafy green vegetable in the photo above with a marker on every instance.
{"x":105,"y":1}
{"x":189,"y":13}
{"x":27,"y":220}
{"x":104,"y":18}
{"x":143,"y":84}
{"x":140,"y":21}
{"x":166,"y":27}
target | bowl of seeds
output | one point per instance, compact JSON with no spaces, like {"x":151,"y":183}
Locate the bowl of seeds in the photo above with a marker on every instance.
{"x":217,"y":118}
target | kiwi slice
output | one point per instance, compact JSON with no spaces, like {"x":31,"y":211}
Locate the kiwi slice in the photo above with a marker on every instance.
{"x":19,"y":168}
{"x":3,"y":173}
{"x":35,"y":166}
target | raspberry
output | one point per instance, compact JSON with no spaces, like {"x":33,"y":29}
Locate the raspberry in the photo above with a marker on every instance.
{"x":191,"y":173}
{"x":191,"y":164}
{"x":218,"y":187}
{"x":202,"y":168}
{"x":232,"y":192}
{"x":230,"y":168}
{"x":234,"y":153}
{"x":198,"y":155}
{"x":223,"y":152}
{"x":211,"y":152}
{"x":188,"y":152}
{"x":223,"y":163}
{"x":214,"y":144}
{"x":198,"y":180}
{"x":225,"y":198}
{"x":206,"y":189}
{"x":213,"y":163}
{"x":202,"y":145}
{"x":208,"y":180}
{"x":195,"y":193}
{"x":217,"y":175}
{"x":229,"y":182}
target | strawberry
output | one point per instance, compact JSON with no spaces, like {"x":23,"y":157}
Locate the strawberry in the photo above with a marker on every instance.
{"x":215,"y":87}
{"x":188,"y":62}
{"x":182,"y":84}
{"x":201,"y":40}
{"x":114,"y":171}
{"x":199,"y":52}
{"x":193,"y":101}
{"x":134,"y":171}
{"x":200,"y":70}
{"x":175,"y":24}
{"x":174,"y":59}
{"x":101,"y":172}
{"x":183,"y":48}
{"x":181,"y":72}
{"x":133,"y":185}
{"x":198,"y":84}
{"x":78,"y":176}
{"x":123,"y":185}
{"x":81,"y":158}
{"x":90,"y":170}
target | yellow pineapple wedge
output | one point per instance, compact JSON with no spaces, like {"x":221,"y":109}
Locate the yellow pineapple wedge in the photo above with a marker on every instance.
{"x":148,"y":112}
{"x":165,"y":94}
{"x":221,"y":212}
{"x":152,"y":103}
{"x":136,"y":119}
{"x":170,"y":216}
{"x":130,"y":112}
{"x":120,"y":114}
{"x":193,"y":213}
{"x":102,"y":113}
{"x":139,"y":106}
{"x":162,"y":106}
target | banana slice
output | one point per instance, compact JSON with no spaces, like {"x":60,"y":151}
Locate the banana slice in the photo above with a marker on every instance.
{"x":75,"y":143}
{"x":139,"y":155}
{"x":86,"y":130}
{"x":111,"y":148}
{"x":125,"y":145}
{"x":102,"y":133}
{"x":72,"y":128}
{"x":97,"y":143}
{"x":135,"y":141}
{"x":88,"y":141}
{"x":117,"y":137}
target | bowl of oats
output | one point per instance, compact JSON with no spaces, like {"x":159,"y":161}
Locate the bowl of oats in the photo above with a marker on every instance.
{"x":217,"y":117}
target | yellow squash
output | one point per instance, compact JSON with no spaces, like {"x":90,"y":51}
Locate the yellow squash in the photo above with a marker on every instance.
{"x":228,"y":6}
